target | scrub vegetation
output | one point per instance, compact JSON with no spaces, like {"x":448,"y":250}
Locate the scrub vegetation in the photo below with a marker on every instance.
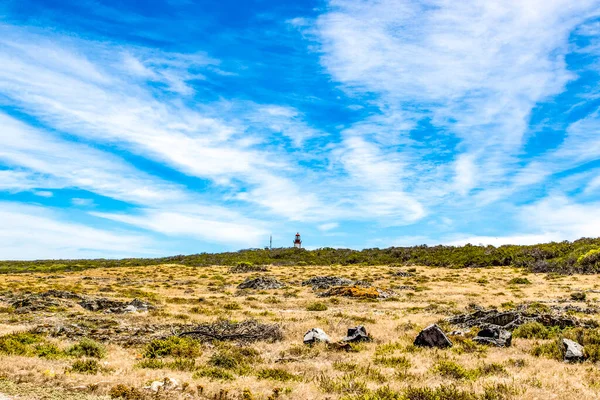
{"x":580,"y":256}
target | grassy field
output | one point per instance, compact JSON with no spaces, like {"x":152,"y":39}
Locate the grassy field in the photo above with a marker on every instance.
{"x":44,"y":355}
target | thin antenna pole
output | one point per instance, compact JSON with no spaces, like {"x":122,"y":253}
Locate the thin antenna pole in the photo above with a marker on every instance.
{"x":271,"y":242}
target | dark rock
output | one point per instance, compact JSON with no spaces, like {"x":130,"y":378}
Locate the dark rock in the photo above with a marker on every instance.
{"x":494,"y":335}
{"x":316,"y":335}
{"x":261,"y":283}
{"x":357,"y":334}
{"x":573,"y":351}
{"x":432,"y":336}
{"x":326,"y":282}
{"x":101,"y":304}
{"x":33,"y":303}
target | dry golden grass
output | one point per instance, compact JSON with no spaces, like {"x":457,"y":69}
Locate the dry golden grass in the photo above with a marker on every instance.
{"x":188,"y":295}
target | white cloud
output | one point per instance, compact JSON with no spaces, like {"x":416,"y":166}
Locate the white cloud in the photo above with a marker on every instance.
{"x":76,"y":165}
{"x":476,"y":69}
{"x":103,"y":104}
{"x":199,"y":224}
{"x":328,"y":226}
{"x":79,"y":202}
{"x":30,"y":232}
{"x":43,"y":193}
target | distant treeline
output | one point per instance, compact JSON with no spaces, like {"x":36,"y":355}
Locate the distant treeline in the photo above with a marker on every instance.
{"x":582,"y":256}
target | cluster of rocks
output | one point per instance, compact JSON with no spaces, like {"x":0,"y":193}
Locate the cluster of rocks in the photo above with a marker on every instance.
{"x":434,"y":336}
{"x":114,"y":306}
{"x":492,"y":335}
{"x":106,"y":330}
{"x":243,"y":268}
{"x":261,"y":283}
{"x":354,"y":335}
{"x":510,"y":320}
{"x":42,"y":301}
{"x":52,"y":299}
{"x":325,"y":282}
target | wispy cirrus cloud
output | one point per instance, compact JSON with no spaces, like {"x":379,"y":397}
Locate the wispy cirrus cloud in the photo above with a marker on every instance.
{"x":403,"y":121}
{"x":33,"y":232}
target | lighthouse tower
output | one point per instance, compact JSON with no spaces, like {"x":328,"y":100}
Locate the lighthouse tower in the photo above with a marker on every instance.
{"x":298,"y":241}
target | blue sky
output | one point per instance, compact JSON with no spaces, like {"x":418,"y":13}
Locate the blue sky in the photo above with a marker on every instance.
{"x":150,"y":128}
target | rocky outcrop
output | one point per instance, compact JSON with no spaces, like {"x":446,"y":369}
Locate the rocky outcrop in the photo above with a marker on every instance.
{"x":326,"y":282}
{"x":432,"y":336}
{"x":261,"y":283}
{"x":510,"y":320}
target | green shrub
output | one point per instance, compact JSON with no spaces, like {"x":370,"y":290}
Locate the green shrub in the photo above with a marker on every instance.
{"x":87,"y":366}
{"x":535,"y":330}
{"x":87,"y":348}
{"x":316,"y":306}
{"x":173,"y":347}
{"x":450,"y":369}
{"x":553,"y":349}
{"x":237,"y":359}
{"x":519,"y":281}
{"x":399,"y":362}
{"x":151,"y":363}
{"x":276,"y":374}
{"x":182,"y":364}
{"x":19,"y":343}
{"x":49,"y":351}
{"x":213,"y":373}
{"x":232,"y":306}
{"x":578,"y":296}
{"x":124,"y":392}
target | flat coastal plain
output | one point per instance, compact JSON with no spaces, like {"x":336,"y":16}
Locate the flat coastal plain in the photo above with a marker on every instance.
{"x":59,"y":341}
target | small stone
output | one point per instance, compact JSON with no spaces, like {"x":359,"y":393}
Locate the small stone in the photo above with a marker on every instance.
{"x":573,"y":351}
{"x":432,"y":336}
{"x":316,"y":335}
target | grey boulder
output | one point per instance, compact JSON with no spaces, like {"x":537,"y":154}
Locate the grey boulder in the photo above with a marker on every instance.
{"x":494,"y":335}
{"x":316,"y":335}
{"x":432,"y":336}
{"x":573,"y":351}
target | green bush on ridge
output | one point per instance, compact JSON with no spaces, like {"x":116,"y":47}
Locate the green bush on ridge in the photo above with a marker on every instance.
{"x":580,"y":256}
